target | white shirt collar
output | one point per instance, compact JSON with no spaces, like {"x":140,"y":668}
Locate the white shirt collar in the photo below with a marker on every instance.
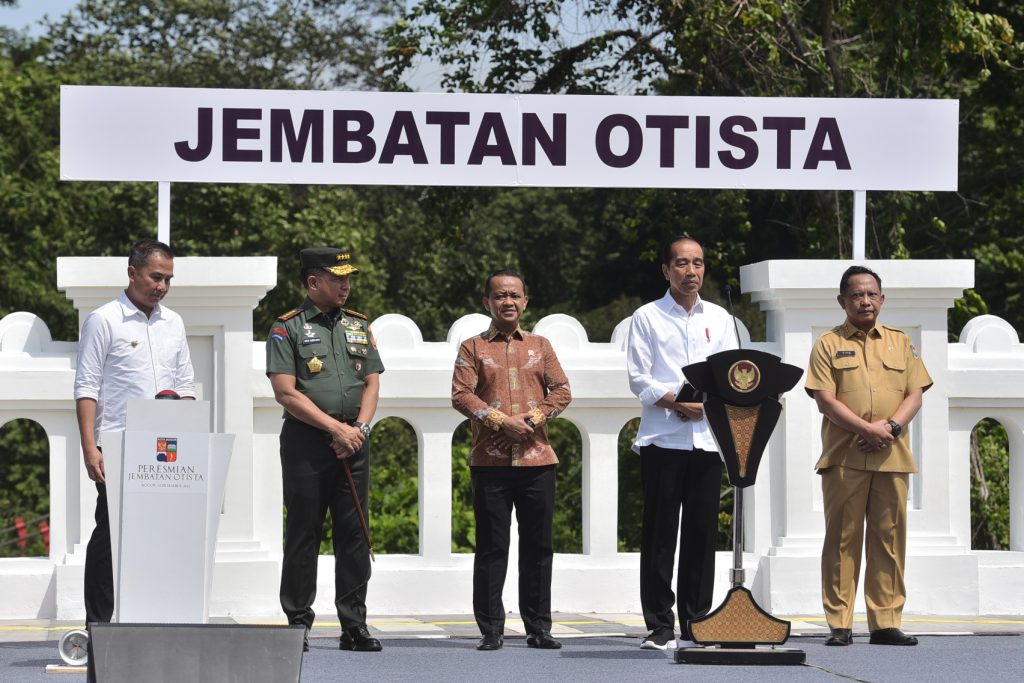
{"x":668,"y":304}
{"x":129,"y":309}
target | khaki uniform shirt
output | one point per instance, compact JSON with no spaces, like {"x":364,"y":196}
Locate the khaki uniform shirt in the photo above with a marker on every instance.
{"x":496,"y":376}
{"x":329,"y":356}
{"x":870,"y":373}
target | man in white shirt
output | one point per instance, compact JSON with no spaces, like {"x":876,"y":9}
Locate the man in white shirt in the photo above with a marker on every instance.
{"x":679,"y":462}
{"x":131,"y":347}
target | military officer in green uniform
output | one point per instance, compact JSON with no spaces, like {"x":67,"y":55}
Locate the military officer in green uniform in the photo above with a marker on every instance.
{"x":325,"y":370}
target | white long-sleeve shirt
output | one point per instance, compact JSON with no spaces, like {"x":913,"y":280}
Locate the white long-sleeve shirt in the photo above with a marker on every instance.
{"x":122,"y":354}
{"x":664,"y":338}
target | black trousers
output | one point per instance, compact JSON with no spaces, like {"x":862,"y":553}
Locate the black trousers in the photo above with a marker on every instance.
{"x":675,"y":480}
{"x":314,"y":482}
{"x":496,"y":490}
{"x":99,"y":571}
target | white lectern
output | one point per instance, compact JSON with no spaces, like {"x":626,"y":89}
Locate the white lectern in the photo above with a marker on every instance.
{"x":166,"y":475}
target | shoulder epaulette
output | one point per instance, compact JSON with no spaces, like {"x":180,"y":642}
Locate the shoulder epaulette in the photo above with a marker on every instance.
{"x":290,"y":314}
{"x":355,"y":314}
{"x":894,"y":329}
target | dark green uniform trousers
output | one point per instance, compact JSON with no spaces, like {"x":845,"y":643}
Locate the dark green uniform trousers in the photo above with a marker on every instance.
{"x":314,"y":482}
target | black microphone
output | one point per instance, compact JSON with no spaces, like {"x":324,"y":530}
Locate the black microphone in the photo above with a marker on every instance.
{"x":736,"y":325}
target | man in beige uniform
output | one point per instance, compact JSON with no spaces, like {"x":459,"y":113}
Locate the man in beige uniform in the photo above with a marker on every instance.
{"x":867,"y":380}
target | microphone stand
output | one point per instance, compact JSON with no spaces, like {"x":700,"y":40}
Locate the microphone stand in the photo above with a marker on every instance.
{"x":737,"y":576}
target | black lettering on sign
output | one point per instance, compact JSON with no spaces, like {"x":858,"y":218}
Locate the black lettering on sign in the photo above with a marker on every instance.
{"x":635,"y":140}
{"x":204,"y":138}
{"x":311,"y":134}
{"x":535,"y":134}
{"x":234,"y":133}
{"x":447,"y":120}
{"x":667,"y":125}
{"x":827,"y":130}
{"x":403,"y":122}
{"x":491,"y":122}
{"x":727,"y":131}
{"x":360,"y":135}
{"x":784,"y":127}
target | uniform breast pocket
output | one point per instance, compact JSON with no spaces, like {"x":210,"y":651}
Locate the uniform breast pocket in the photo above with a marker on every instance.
{"x":849,"y":374}
{"x":894,"y":378}
{"x":313,"y":362}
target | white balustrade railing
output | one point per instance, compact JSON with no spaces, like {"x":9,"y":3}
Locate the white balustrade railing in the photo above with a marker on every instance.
{"x":981,"y":376}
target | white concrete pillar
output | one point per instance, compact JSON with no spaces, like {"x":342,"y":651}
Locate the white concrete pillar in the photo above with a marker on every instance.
{"x":1015,"y":434}
{"x":599,"y":430}
{"x":435,"y":429}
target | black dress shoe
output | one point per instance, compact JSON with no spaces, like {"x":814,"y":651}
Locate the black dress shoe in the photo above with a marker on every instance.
{"x":490,"y":642}
{"x":891,"y":636}
{"x":358,"y":638}
{"x":542,"y":640}
{"x":840,"y":636}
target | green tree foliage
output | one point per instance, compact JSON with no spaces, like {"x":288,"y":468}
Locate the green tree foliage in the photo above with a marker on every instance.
{"x":24,"y":486}
{"x":990,"y":490}
{"x":394,"y":487}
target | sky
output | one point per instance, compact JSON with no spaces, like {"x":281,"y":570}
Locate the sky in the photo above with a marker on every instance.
{"x":29,"y":12}
{"x":426,"y":76}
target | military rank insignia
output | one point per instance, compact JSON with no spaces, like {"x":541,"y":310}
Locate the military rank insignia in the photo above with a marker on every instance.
{"x":315,"y":365}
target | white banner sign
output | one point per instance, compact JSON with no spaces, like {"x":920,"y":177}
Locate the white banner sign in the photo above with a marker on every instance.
{"x":350,"y":138}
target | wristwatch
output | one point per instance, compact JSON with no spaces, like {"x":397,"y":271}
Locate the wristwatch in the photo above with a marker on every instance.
{"x":896,"y":429}
{"x":363,"y":427}
{"x":529,"y":421}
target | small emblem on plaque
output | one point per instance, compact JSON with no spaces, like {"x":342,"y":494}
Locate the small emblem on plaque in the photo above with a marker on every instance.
{"x":315,"y":365}
{"x":166,"y":449}
{"x":744,"y":376}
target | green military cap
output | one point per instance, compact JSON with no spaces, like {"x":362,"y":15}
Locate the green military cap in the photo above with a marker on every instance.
{"x":335,"y":261}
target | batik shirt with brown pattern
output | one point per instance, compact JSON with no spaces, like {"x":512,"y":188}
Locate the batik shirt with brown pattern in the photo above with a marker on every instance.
{"x":497,"y":376}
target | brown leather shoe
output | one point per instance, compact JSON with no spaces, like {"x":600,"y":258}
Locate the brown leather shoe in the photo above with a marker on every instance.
{"x":891,"y":636}
{"x":840,"y":636}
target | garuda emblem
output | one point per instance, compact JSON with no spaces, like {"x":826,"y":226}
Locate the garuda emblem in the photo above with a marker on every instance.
{"x":744,"y":376}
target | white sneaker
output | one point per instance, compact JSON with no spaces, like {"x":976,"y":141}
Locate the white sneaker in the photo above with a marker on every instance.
{"x":658,"y":641}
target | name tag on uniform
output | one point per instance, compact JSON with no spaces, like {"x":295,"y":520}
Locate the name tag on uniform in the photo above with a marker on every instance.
{"x":311,"y":340}
{"x":845,"y":354}
{"x":353,"y":337}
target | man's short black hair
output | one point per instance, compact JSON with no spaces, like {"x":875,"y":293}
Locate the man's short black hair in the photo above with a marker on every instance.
{"x":505,"y":272}
{"x":141,"y":250}
{"x":666,"y":247}
{"x":306,"y":272}
{"x":844,"y":284}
